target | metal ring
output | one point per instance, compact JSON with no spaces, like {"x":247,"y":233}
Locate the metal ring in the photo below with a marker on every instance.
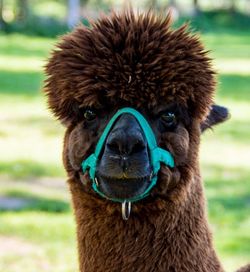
{"x":126,"y":209}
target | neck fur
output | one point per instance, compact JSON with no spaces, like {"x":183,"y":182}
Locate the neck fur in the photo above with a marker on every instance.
{"x":173,"y":237}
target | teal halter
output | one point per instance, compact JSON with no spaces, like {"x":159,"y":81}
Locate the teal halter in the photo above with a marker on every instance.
{"x":157,"y":154}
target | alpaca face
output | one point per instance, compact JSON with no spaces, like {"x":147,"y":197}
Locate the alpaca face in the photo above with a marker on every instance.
{"x":124,"y":168}
{"x":138,"y":62}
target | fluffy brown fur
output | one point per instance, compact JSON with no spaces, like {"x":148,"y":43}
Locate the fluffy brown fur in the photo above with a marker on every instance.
{"x":136,"y":61}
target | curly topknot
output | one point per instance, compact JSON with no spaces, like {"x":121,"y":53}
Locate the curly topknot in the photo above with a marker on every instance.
{"x":137,"y":60}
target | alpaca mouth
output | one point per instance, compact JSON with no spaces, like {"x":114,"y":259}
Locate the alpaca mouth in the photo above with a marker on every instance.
{"x":123,"y":188}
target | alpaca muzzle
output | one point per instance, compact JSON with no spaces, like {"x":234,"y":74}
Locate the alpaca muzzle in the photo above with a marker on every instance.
{"x":157,"y":156}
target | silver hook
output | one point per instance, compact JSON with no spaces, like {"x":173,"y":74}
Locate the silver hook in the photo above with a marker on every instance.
{"x":96,"y":182}
{"x":126,"y":209}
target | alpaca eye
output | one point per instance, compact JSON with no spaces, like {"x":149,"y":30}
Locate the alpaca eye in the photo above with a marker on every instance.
{"x":89,"y":115}
{"x":168,"y":119}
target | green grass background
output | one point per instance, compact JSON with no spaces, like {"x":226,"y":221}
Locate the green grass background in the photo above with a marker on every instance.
{"x":41,"y":235}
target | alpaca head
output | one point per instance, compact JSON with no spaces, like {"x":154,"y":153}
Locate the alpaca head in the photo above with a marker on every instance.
{"x":138,"y":62}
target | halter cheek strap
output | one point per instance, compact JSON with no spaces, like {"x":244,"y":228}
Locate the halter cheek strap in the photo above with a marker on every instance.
{"x":157,"y":154}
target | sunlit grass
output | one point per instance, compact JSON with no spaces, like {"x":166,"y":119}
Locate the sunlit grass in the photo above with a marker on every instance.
{"x":21,"y":63}
{"x":30,"y":140}
{"x":233,"y":66}
{"x":40,"y":241}
{"x":47,"y":188}
{"x":233,"y":88}
{"x":20,"y":83}
{"x":21,"y":46}
{"x":31,"y":146}
{"x":228,"y":46}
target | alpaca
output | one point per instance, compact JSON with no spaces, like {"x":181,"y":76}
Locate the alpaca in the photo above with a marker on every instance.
{"x":136,"y":63}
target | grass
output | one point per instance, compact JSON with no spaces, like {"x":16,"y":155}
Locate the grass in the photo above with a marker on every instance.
{"x":49,"y":237}
{"x":41,"y":235}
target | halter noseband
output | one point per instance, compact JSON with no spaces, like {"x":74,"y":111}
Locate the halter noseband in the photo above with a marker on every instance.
{"x":157,"y":156}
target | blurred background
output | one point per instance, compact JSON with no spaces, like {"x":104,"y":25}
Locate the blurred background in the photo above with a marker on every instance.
{"x":37,"y":231}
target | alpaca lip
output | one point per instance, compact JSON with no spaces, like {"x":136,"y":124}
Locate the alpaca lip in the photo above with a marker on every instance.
{"x":122,"y":188}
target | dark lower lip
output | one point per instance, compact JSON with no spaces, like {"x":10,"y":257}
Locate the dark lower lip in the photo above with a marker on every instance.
{"x":124,"y":188}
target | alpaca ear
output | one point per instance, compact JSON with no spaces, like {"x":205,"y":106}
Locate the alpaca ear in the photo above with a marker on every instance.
{"x":217,"y":115}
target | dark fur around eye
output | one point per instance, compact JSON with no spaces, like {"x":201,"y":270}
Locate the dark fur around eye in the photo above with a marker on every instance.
{"x":167,"y":122}
{"x":169,"y":119}
{"x":89,"y":115}
{"x":89,"y":118}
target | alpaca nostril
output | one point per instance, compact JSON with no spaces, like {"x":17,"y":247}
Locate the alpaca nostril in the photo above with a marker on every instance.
{"x":113,"y":146}
{"x":139,"y":146}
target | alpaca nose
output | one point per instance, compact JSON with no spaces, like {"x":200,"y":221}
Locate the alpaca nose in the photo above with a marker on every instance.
{"x":125,"y":143}
{"x":126,"y":138}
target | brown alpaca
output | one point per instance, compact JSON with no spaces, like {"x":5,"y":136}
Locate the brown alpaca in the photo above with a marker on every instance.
{"x":136,"y":61}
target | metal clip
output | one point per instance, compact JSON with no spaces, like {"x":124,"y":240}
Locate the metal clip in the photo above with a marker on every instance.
{"x":96,"y":182}
{"x":126,"y":209}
